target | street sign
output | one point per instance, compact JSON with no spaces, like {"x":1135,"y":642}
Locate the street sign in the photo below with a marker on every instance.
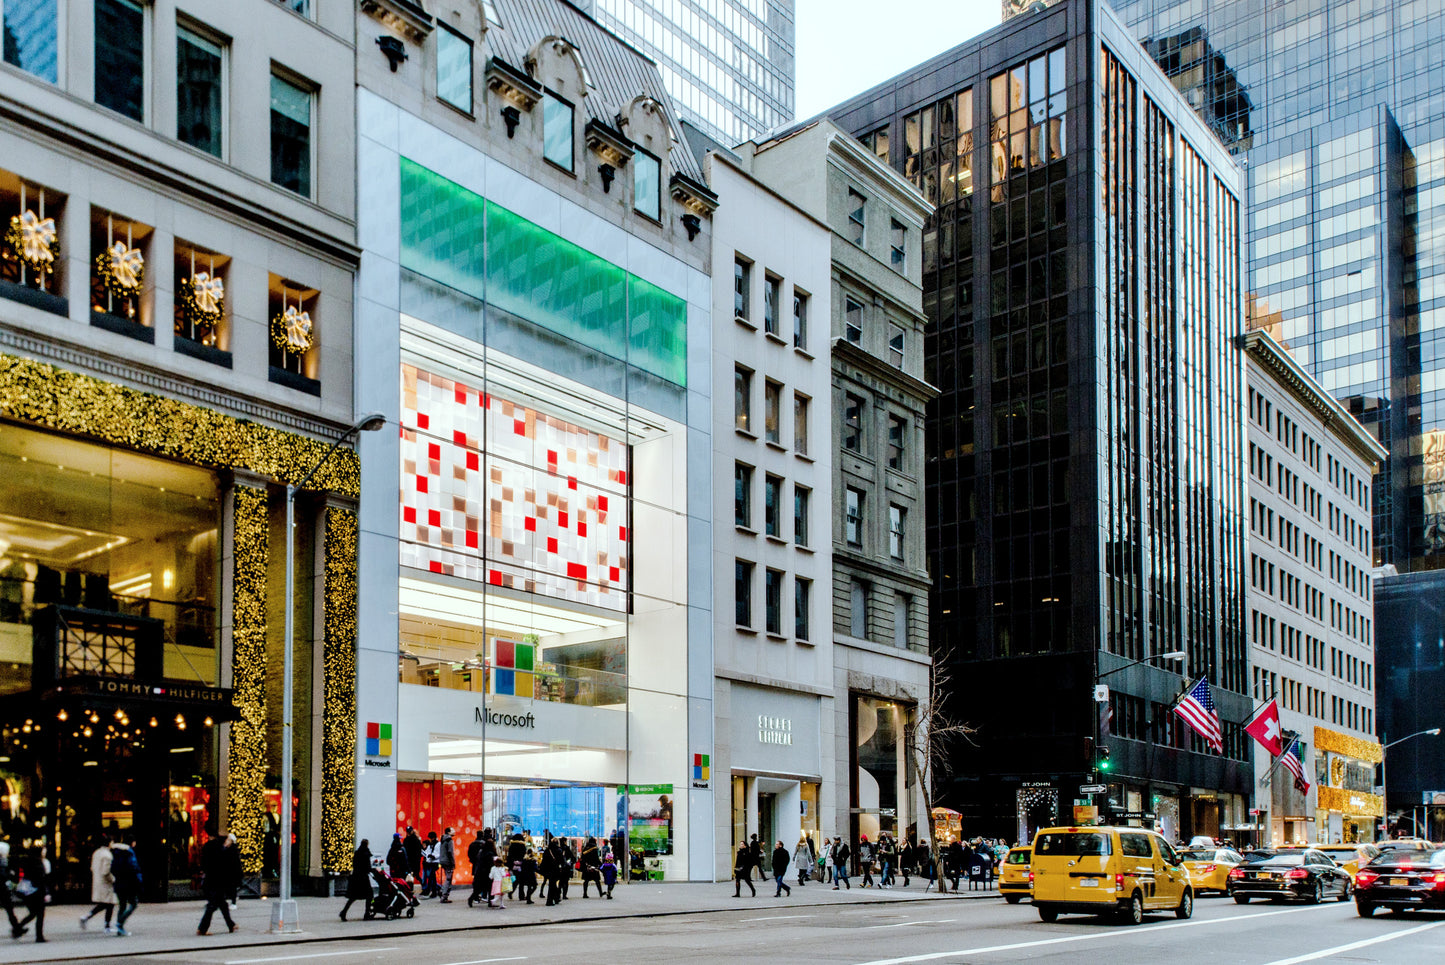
{"x":1093,"y":788}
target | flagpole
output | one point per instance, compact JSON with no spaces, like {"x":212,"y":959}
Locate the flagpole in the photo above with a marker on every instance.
{"x":1269,"y":774}
{"x":1257,"y":708}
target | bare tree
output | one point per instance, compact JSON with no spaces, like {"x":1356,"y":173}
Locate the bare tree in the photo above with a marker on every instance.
{"x":929,"y":738}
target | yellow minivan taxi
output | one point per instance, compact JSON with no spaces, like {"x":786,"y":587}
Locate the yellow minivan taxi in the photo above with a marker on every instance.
{"x":1123,"y":872}
{"x":1013,"y":875}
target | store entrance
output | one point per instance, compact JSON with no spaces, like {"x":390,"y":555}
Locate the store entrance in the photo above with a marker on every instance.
{"x":767,"y":821}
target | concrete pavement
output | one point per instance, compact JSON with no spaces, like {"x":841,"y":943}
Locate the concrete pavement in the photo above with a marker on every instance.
{"x":170,"y":928}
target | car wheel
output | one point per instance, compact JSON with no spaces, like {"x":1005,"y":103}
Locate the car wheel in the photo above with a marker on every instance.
{"x":1134,"y":912}
{"x":1012,"y":899}
{"x":1046,"y":913}
{"x":1186,"y":905}
{"x":1241,"y":899}
{"x":1364,"y":908}
{"x":1317,"y":895}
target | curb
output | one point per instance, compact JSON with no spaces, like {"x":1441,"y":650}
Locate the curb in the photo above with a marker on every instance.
{"x":388,"y":935}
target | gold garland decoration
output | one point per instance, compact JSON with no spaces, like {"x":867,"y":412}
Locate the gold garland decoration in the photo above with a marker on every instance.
{"x":121,"y":270}
{"x":1356,"y":747}
{"x":338,"y":714}
{"x":203,"y":301}
{"x":33,"y":241}
{"x":292,"y":331}
{"x":247,"y":766}
{"x":63,"y":401}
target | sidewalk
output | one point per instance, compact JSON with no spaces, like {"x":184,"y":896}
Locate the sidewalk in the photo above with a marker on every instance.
{"x":171,"y":928}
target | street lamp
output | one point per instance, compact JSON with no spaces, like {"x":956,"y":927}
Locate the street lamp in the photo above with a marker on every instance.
{"x":1384,"y":788}
{"x":283,"y":914}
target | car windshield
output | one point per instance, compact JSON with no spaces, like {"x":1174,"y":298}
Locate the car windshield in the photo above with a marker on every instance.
{"x":1409,"y":859}
{"x":1020,"y":856}
{"x":1073,"y":843}
{"x":1279,"y":859}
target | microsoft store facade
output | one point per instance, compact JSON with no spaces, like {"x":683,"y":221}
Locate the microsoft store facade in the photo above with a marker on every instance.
{"x":534,"y":633}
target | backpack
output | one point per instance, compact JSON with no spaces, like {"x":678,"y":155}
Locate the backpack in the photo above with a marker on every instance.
{"x":125,"y":870}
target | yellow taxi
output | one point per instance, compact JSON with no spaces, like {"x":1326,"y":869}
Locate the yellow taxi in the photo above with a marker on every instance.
{"x":1117,"y":871}
{"x":1351,"y":857}
{"x":1014,"y":880}
{"x":1209,"y":868}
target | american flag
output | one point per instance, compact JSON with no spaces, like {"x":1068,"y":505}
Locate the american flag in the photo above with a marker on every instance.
{"x":1294,"y":760}
{"x":1197,"y":709}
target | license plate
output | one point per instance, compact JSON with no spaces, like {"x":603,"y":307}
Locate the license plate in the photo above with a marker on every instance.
{"x":1090,"y":882}
{"x":1400,"y":882}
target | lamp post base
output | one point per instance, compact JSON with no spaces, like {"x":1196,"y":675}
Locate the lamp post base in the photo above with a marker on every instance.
{"x":284,"y":917}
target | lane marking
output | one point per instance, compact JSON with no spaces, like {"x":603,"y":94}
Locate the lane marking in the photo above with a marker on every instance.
{"x":773,"y":918}
{"x":483,"y":961}
{"x":292,"y":958}
{"x":1359,"y":944}
{"x":901,"y":924}
{"x":1069,"y":939}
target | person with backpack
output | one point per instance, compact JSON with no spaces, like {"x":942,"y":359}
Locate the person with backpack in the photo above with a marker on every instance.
{"x":216,"y":883}
{"x":126,"y":879}
{"x":865,"y":862}
{"x":102,"y":895}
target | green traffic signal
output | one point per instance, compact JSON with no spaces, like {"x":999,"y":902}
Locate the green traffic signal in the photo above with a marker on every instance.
{"x":1104,"y":763}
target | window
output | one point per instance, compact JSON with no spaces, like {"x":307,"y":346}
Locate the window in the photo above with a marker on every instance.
{"x":31,"y":38}
{"x":895,"y":442}
{"x":897,"y":243}
{"x":901,"y":603}
{"x":290,"y":136}
{"x":743,"y":400}
{"x":896,"y":517}
{"x":454,"y":68}
{"x":557,"y":131}
{"x":773,"y":600}
{"x":800,"y":320}
{"x":742,"y":288}
{"x":743,"y":593}
{"x":853,"y":518}
{"x":802,"y":598}
{"x":772,"y":506}
{"x":120,"y":56}
{"x":647,"y":185}
{"x":772,"y":411}
{"x":801,"y":495}
{"x":772,"y":286}
{"x":856,"y":225}
{"x":200,"y":91}
{"x":800,"y":424}
{"x":895,"y":346}
{"x":852,"y":423}
{"x":853,"y":321}
{"x":858,"y":609}
{"x":743,"y":495}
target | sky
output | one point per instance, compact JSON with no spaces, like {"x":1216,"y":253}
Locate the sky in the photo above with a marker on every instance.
{"x":845,"y":47}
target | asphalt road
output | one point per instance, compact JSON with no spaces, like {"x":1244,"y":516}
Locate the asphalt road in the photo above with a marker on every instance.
{"x":982,"y":932}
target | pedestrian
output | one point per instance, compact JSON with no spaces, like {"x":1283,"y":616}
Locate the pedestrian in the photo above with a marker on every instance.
{"x":498,"y":876}
{"x":568,"y":865}
{"x":126,"y":879}
{"x":516,"y":850}
{"x":35,"y":893}
{"x":481,"y":862}
{"x":15,"y":930}
{"x":609,"y":872}
{"x":102,"y":894}
{"x":446,"y":865}
{"x":358,"y":886}
{"x":827,"y":860}
{"x":780,"y":870}
{"x":216,"y":883}
{"x":411,"y":844}
{"x":743,"y":870}
{"x":591,"y":862}
{"x":908,"y":856}
{"x":755,"y":851}
{"x":396,"y":858}
{"x":865,"y":862}
{"x":551,"y":871}
{"x":803,"y":859}
{"x":841,"y":854}
{"x":429,"y":864}
{"x":887,"y":858}
{"x":526,"y":876}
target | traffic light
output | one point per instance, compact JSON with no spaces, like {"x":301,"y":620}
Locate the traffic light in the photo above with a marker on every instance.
{"x":1101,"y":760}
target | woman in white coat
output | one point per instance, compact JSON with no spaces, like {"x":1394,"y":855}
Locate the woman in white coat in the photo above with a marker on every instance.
{"x":102,"y":890}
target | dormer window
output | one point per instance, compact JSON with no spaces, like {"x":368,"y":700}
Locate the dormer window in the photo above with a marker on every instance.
{"x":557,"y":131}
{"x":454,"y":68}
{"x":647,"y":185}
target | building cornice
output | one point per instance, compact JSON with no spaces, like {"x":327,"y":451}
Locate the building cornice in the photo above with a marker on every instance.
{"x":403,"y":16}
{"x":1273,"y":357}
{"x":863,"y":163}
{"x":609,"y":144}
{"x":846,"y":351}
{"x":513,"y":85}
{"x":772,"y":683}
{"x":695,"y":196}
{"x":862,"y":281}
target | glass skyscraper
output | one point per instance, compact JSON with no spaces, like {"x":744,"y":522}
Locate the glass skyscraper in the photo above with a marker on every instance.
{"x":728,"y":64}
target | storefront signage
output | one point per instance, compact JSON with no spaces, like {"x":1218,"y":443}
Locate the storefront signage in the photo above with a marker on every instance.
{"x":775,"y":730}
{"x":125,"y":687}
{"x":486,"y":715}
{"x":377,"y":743}
{"x":701,"y":771}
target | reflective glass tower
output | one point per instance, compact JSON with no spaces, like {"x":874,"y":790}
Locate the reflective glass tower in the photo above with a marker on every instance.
{"x":728,"y":64}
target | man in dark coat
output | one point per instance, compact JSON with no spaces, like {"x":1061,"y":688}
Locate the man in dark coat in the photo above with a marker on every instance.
{"x":755,"y":854}
{"x":412,"y":845}
{"x":396,"y":858}
{"x":482,"y":853}
{"x":358,"y":886}
{"x":216,"y":883}
{"x":37,"y":872}
{"x":780,"y":869}
{"x":743,"y":870}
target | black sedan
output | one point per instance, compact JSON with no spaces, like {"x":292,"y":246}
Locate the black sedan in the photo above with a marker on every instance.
{"x":1309,"y":875}
{"x":1401,"y":879}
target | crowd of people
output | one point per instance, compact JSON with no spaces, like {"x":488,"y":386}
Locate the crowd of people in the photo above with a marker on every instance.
{"x":878,"y":864}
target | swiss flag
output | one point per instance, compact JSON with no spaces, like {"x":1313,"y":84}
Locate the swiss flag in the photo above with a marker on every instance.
{"x":1265,"y":729}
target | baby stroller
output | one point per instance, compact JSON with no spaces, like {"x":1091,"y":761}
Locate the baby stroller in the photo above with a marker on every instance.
{"x":393,"y":897}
